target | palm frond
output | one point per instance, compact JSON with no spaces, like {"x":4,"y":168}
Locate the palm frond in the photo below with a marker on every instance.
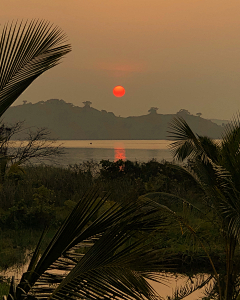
{"x":170,"y":200}
{"x":120,"y":254}
{"x":186,"y":142}
{"x":26,"y":51}
{"x":111,"y":269}
{"x":231,"y":148}
{"x":69,"y":235}
{"x":206,"y":155}
{"x":217,"y":168}
{"x":187,"y":145}
{"x":211,"y":147}
{"x":230,"y":209}
{"x":192,"y":285}
{"x":184,"y":223}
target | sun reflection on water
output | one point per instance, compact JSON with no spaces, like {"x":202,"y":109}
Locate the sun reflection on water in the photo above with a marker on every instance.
{"x":119,"y":151}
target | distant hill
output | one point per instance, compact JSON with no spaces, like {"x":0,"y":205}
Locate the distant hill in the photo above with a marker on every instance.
{"x":220,"y":122}
{"x":69,"y":122}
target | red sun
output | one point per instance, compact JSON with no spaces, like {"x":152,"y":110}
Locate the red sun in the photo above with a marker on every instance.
{"x":118,"y":91}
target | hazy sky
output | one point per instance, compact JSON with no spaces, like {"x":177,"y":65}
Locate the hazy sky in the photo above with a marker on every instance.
{"x":171,"y":54}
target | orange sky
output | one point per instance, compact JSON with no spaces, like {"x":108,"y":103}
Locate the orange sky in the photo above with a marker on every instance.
{"x":170,"y":54}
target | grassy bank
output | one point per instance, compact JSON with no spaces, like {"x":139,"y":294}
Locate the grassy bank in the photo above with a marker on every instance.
{"x":16,"y":243}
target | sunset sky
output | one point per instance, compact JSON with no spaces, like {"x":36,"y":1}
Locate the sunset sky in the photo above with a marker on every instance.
{"x":169,"y":54}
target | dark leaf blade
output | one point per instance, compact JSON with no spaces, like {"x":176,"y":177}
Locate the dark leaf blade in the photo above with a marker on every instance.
{"x":187,"y":144}
{"x":112,"y":268}
{"x":26,"y":51}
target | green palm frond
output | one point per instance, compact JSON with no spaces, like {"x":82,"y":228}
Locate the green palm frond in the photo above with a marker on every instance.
{"x":94,"y":256}
{"x":230,"y":210}
{"x":223,"y":197}
{"x":26,"y":51}
{"x":111,"y":269}
{"x":184,"y":223}
{"x":71,"y":234}
{"x":216,"y":166}
{"x":214,"y":180}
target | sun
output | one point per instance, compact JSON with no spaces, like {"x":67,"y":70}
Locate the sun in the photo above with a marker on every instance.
{"x":118,"y":91}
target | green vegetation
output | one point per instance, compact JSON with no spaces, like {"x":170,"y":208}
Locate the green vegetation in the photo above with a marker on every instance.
{"x":45,"y":195}
{"x":4,"y":288}
{"x":214,"y":166}
{"x":102,"y":249}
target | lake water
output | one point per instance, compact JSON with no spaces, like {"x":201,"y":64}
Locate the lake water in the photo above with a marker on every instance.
{"x":78,"y":151}
{"x":169,"y":283}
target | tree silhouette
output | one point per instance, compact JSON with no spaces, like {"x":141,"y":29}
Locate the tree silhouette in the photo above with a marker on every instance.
{"x":87,"y":103}
{"x":153,"y":110}
{"x":198,"y":114}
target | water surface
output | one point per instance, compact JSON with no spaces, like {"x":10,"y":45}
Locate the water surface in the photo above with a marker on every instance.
{"x":78,"y":151}
{"x":169,"y":283}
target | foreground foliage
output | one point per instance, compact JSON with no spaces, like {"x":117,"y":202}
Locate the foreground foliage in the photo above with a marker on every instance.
{"x":214,"y":166}
{"x":26,"y":51}
{"x":39,"y":198}
{"x":99,"y":253}
{"x":4,"y":288}
{"x":39,"y":194}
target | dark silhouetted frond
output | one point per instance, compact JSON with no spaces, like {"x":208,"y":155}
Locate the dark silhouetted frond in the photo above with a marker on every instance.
{"x":26,"y":51}
{"x":101,"y":252}
{"x":187,"y":145}
{"x":193,"y":284}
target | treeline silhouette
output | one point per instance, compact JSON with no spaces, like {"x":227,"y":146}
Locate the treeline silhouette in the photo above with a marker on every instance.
{"x":69,"y":122}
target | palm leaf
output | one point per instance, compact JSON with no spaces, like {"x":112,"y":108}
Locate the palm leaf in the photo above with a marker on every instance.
{"x":217,"y":167}
{"x":184,"y":223}
{"x":26,"y":51}
{"x":221,"y":191}
{"x":120,"y":254}
{"x":187,"y":145}
{"x":215,"y":181}
{"x":211,"y":147}
{"x":231,"y":148}
{"x":110,"y":269}
{"x":192,"y":285}
{"x":170,"y":200}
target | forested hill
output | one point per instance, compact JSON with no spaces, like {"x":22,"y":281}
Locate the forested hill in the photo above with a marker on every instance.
{"x":69,"y":122}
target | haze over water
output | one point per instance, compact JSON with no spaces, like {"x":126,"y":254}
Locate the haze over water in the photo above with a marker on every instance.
{"x":78,"y":151}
